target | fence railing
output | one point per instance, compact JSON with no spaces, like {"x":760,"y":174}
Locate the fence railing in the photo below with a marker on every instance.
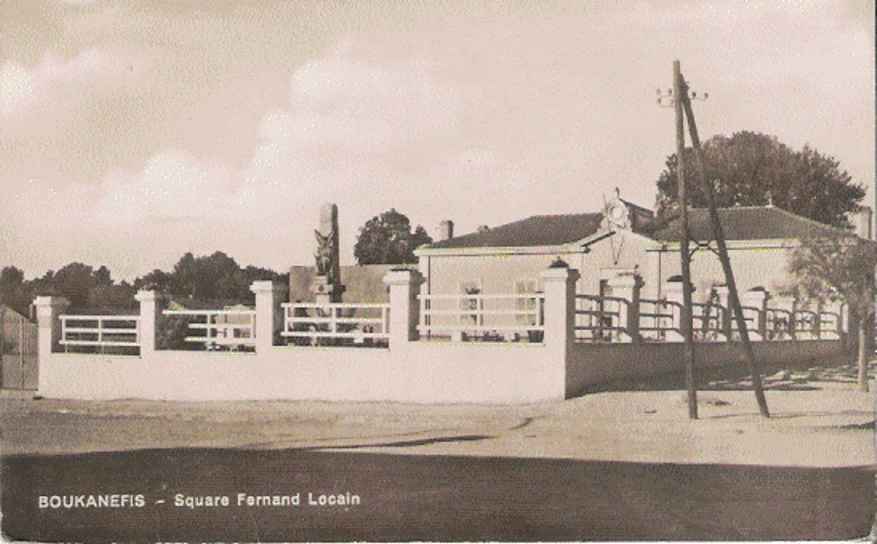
{"x":779,"y":324}
{"x":659,"y":319}
{"x":476,"y":316}
{"x":600,"y":318}
{"x":121,"y":331}
{"x":232,"y":329}
{"x":336,"y":324}
{"x":830,"y":324}
{"x":709,"y":321}
{"x":615,"y":319}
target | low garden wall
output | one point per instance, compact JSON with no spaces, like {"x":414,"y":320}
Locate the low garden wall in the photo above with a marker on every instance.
{"x":404,"y":367}
{"x":592,"y":364}
{"x":422,"y":372}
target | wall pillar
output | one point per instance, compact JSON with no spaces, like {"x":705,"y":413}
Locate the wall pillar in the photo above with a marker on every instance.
{"x":758,"y":300}
{"x":404,"y":285}
{"x":269,"y":317}
{"x":673,"y":294}
{"x":149,"y":314}
{"x":628,"y":287}
{"x":560,"y":311}
{"x":48,"y":310}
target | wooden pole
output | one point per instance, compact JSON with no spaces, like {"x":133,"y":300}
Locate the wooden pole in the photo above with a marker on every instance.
{"x":719,"y":236}
{"x":684,"y":250}
{"x":2,"y":339}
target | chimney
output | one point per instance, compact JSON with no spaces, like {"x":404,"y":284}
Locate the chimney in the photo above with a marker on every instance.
{"x":482,"y":228}
{"x":862,"y":222}
{"x":445,"y":230}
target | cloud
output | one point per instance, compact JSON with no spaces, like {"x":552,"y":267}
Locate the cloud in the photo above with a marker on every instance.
{"x":339,"y":104}
{"x":348,"y":129}
{"x":22,"y":87}
{"x":172,"y":186}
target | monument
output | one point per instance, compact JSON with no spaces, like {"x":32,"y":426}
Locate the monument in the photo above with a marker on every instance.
{"x":327,"y":285}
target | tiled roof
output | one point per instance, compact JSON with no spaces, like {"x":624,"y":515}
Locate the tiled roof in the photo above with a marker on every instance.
{"x":539,"y":230}
{"x":739,"y":223}
{"x":742,"y":223}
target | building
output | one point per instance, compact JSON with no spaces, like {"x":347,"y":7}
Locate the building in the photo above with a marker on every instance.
{"x":623,"y":238}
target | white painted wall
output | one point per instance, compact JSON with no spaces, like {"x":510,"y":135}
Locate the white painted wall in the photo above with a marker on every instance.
{"x":423,"y":372}
{"x":592,"y":364}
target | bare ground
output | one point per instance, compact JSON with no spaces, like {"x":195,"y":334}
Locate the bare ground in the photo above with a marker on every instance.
{"x":819,"y":420}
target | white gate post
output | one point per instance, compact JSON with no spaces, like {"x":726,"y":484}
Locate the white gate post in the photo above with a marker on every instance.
{"x":560,"y":309}
{"x":268,"y":315}
{"x":48,"y":310}
{"x":404,"y":287}
{"x":149,"y":314}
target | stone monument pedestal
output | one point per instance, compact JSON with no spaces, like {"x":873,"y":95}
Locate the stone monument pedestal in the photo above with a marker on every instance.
{"x":325,"y":292}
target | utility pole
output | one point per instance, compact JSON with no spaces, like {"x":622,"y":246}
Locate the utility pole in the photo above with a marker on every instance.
{"x":684,"y":249}
{"x":683,"y":100}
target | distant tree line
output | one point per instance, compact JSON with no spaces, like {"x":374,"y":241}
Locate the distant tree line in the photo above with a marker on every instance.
{"x":215,"y":277}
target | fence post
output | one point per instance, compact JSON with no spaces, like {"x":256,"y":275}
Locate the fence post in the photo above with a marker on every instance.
{"x":48,"y":310}
{"x":628,"y":286}
{"x":404,"y":285}
{"x":560,"y":309}
{"x":757,"y":299}
{"x":673,"y":290}
{"x":149,"y":314}
{"x":269,"y":317}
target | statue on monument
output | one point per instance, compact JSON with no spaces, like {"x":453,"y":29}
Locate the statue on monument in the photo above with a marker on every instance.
{"x":324,"y":256}
{"x":327,"y":282}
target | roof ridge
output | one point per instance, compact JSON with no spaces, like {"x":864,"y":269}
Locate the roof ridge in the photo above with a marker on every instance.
{"x":764,"y":207}
{"x":561,"y":215}
{"x":813,"y":221}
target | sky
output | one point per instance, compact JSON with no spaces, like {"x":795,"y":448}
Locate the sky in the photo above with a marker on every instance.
{"x":133,"y":132}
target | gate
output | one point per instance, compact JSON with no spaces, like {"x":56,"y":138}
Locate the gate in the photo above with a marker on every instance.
{"x":18,"y":349}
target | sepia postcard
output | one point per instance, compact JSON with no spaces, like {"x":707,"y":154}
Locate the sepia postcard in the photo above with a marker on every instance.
{"x":304,"y":271}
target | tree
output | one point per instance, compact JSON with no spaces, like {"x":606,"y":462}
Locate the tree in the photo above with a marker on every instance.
{"x":753,"y":169}
{"x":157,"y":280}
{"x":13,"y":290}
{"x":74,"y":281}
{"x":387,"y":239}
{"x":185,"y":275}
{"x":103,"y":277}
{"x":840,"y":267}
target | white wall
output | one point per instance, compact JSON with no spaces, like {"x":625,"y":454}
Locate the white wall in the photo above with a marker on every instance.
{"x":592,"y":364}
{"x":423,"y":372}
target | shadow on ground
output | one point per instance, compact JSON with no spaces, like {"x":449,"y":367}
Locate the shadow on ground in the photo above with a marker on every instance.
{"x":804,"y":376}
{"x":430,"y":498}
